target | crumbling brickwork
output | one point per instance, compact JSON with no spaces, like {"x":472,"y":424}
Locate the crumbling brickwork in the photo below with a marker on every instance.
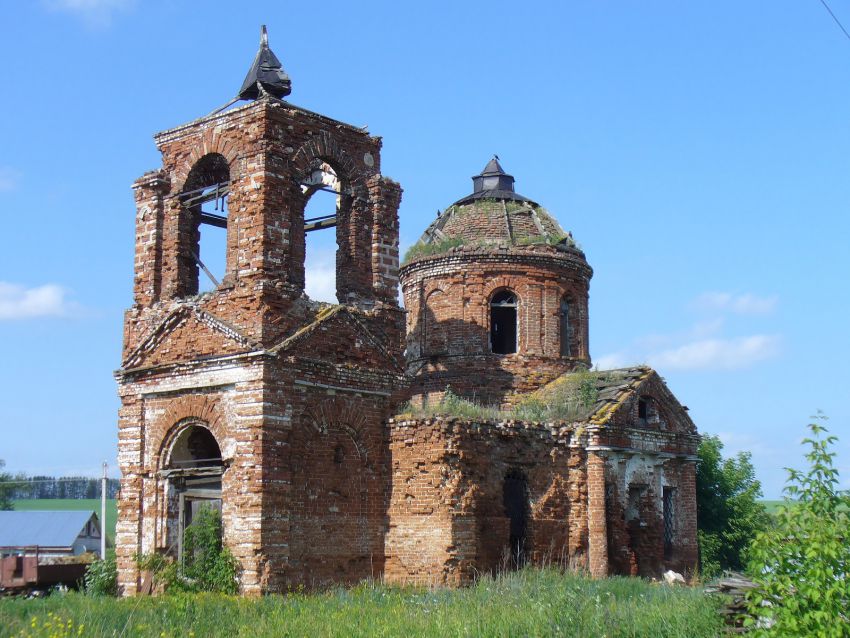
{"x":282,"y":412}
{"x":491,"y":253}
{"x":447,"y":298}
{"x":448,"y":519}
{"x":294,"y":394}
{"x":594,"y":493}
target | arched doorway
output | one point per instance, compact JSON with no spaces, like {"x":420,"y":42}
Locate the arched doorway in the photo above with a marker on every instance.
{"x":194,"y":470}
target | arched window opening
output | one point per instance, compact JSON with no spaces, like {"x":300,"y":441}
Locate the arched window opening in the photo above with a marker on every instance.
{"x":503,"y":323}
{"x":205,"y":197}
{"x":515,"y":501}
{"x":566,"y":328}
{"x":322,"y":189}
{"x":195,"y":447}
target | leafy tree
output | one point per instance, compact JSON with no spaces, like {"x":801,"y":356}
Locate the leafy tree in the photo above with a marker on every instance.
{"x":728,"y":511}
{"x":802,"y":564}
{"x":5,"y":488}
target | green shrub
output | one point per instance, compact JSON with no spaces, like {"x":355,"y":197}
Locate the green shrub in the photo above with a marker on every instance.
{"x":101,"y":577}
{"x":207,"y":565}
{"x":802,"y":564}
{"x":728,"y":512}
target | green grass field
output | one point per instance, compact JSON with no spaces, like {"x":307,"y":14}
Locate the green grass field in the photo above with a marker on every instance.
{"x":528,"y":603}
{"x":93,"y":504}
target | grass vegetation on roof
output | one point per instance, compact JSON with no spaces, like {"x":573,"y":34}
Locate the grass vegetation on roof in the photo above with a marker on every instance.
{"x":551,"y":240}
{"x":571,"y":397}
{"x":531,"y":602}
{"x":420,"y":249}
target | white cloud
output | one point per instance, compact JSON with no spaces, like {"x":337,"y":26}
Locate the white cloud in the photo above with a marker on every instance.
{"x":743,"y":304}
{"x":320,"y":274}
{"x":18,"y":302}
{"x":320,"y":284}
{"x":727,"y":354}
{"x":9,"y":178}
{"x":97,"y":13}
{"x":612,"y":360}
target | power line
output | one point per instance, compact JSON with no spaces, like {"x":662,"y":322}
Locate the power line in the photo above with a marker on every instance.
{"x":837,"y":21}
{"x":59,"y":480}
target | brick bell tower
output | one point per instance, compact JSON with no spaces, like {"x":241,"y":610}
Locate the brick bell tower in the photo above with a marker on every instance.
{"x":250,"y":397}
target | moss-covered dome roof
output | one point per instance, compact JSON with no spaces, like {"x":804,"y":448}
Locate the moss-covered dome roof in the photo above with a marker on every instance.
{"x":493,"y":215}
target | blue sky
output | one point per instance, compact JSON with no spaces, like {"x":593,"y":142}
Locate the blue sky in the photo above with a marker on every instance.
{"x":698,"y":152}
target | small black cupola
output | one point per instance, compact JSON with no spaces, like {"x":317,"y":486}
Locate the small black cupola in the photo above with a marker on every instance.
{"x":267,"y":71}
{"x":493,"y":178}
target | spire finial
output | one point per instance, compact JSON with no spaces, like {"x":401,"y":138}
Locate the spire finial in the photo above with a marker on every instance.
{"x":266,"y":73}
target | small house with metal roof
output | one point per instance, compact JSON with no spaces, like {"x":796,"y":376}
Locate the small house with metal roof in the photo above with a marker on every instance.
{"x":63,"y":533}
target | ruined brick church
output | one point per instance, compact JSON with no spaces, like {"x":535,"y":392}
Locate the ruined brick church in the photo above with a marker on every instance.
{"x":325,"y":434}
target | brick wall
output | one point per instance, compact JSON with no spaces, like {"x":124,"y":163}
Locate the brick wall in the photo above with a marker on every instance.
{"x":447,"y":513}
{"x":294,"y":395}
{"x":448,"y":323}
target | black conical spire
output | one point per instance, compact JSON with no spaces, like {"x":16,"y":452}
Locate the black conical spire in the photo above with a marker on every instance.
{"x":267,"y":71}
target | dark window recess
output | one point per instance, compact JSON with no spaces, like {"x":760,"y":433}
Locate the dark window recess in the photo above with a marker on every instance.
{"x":18,"y":570}
{"x":669,"y":503}
{"x":633,"y":507}
{"x":339,"y":454}
{"x":503,"y":330}
{"x":566,"y":330}
{"x":515,"y":500}
{"x":643,"y":409}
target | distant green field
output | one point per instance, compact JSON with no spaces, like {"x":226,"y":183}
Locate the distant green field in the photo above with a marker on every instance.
{"x":771,"y":506}
{"x":93,"y":504}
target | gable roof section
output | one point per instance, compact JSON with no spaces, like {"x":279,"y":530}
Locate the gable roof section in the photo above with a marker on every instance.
{"x":346,"y":319}
{"x":614,"y":388}
{"x":175,"y":319}
{"x":596,"y":396}
{"x":42,"y":528}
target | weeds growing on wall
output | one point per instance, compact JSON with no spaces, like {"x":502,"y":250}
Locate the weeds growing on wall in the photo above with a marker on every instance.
{"x":570,"y":398}
{"x":420,"y":249}
{"x":207,"y":565}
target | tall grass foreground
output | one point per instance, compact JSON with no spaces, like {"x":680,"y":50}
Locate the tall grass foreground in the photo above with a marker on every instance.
{"x":531,"y":602}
